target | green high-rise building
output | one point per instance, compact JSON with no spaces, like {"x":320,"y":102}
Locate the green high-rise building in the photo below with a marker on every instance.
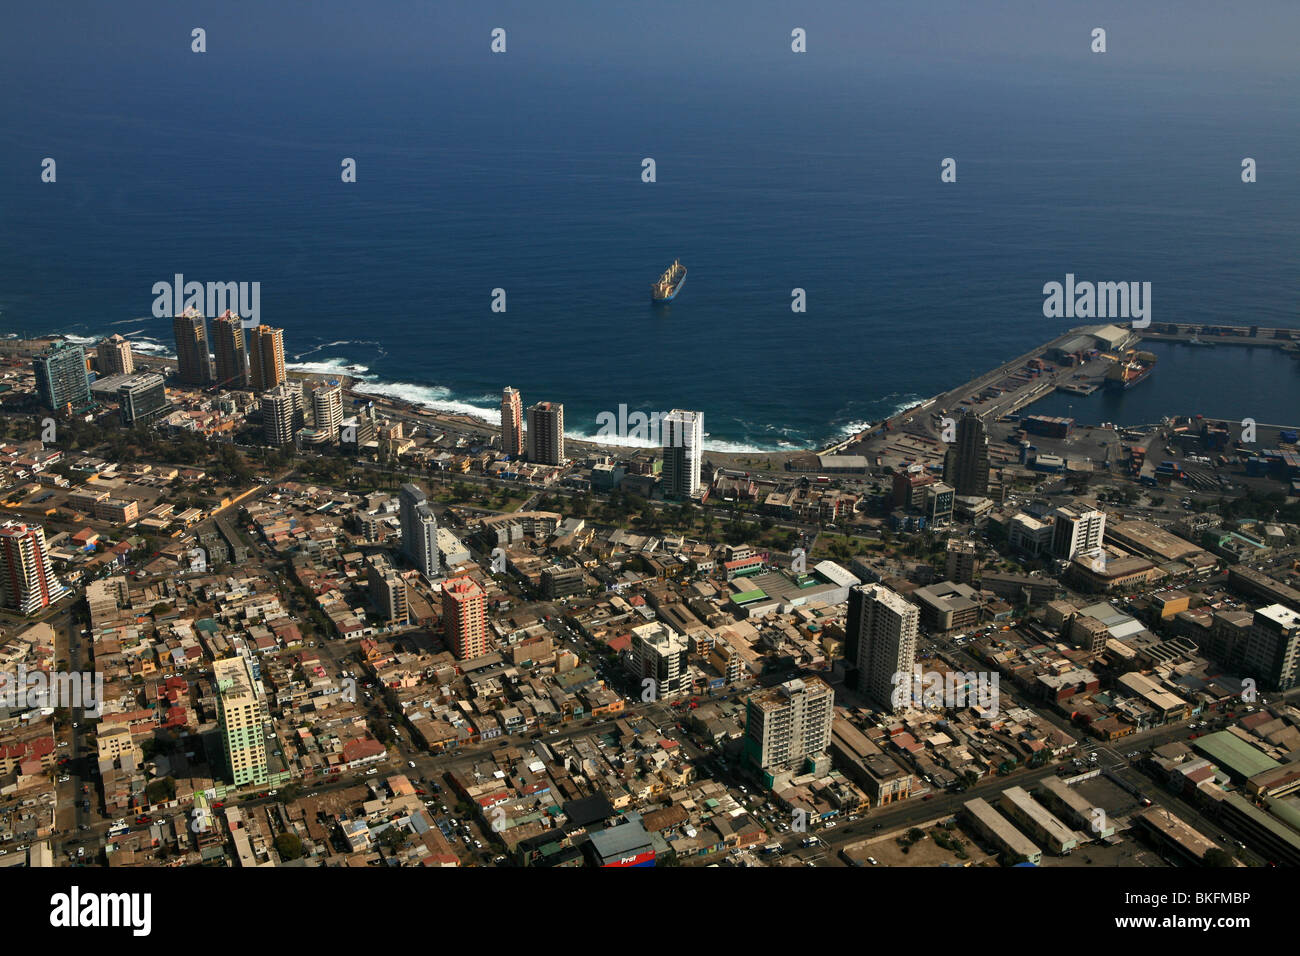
{"x":61,"y":378}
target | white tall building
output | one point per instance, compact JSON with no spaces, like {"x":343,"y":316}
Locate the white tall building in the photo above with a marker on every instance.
{"x":659,"y":653}
{"x":881,"y":638}
{"x":281,"y":414}
{"x":1077,"y":530}
{"x":419,"y":531}
{"x":327,"y":404}
{"x":788,"y":723}
{"x":683,"y":440}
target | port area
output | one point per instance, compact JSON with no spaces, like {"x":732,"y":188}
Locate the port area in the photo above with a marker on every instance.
{"x":1076,"y":362}
{"x":1254,"y":336}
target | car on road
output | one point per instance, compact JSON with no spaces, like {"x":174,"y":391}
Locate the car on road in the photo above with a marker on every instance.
{"x":371,"y":772}
{"x":411,"y":764}
{"x":873,"y":861}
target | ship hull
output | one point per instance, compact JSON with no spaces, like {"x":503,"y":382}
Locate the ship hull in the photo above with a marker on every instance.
{"x":672,"y":295}
{"x":1124,"y":385}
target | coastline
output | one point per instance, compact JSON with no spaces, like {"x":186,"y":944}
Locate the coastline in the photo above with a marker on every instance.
{"x":361,"y":390}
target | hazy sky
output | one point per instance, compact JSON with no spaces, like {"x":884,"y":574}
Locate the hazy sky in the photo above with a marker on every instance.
{"x":1200,"y":37}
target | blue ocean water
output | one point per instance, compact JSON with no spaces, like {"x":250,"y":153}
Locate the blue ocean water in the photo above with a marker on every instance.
{"x":521,"y":176}
{"x":1228,"y":382}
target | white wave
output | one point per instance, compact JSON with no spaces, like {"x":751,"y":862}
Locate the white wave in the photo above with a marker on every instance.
{"x":852,"y":428}
{"x":335,"y":366}
{"x":429,"y":396}
{"x":82,"y":339}
{"x":152,"y":346}
{"x":637,"y":442}
{"x":438,"y":398}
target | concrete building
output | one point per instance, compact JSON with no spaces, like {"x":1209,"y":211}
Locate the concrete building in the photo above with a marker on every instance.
{"x":1029,"y":536}
{"x":947,"y":606}
{"x":242,"y":715}
{"x":1074,"y":810}
{"x":880,"y":638}
{"x":1273,"y":647}
{"x":939,"y":498}
{"x":464,"y":618}
{"x":1172,"y":834}
{"x":962,"y":561}
{"x":966,"y":464}
{"x":559,"y":581}
{"x":115,"y":356}
{"x":61,"y":379}
{"x":658,"y":655}
{"x":327,"y":408}
{"x":115,"y":743}
{"x":281,"y":415}
{"x":419,"y":530}
{"x":1228,"y":638}
{"x":787,"y":724}
{"x":512,"y":423}
{"x":683,"y":443}
{"x":451,"y":551}
{"x":999,"y":832}
{"x":27,"y":581}
{"x":230,"y":351}
{"x":546,"y":433}
{"x":266,"y":357}
{"x":1037,"y":821}
{"x":143,"y":398}
{"x":1255,"y":584}
{"x":104,"y":597}
{"x":1076,"y":531}
{"x":193,"y":363}
{"x":387,"y":591}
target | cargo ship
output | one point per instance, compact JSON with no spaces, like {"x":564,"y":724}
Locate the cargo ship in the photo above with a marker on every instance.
{"x":669,"y":284}
{"x":1128,"y":371}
